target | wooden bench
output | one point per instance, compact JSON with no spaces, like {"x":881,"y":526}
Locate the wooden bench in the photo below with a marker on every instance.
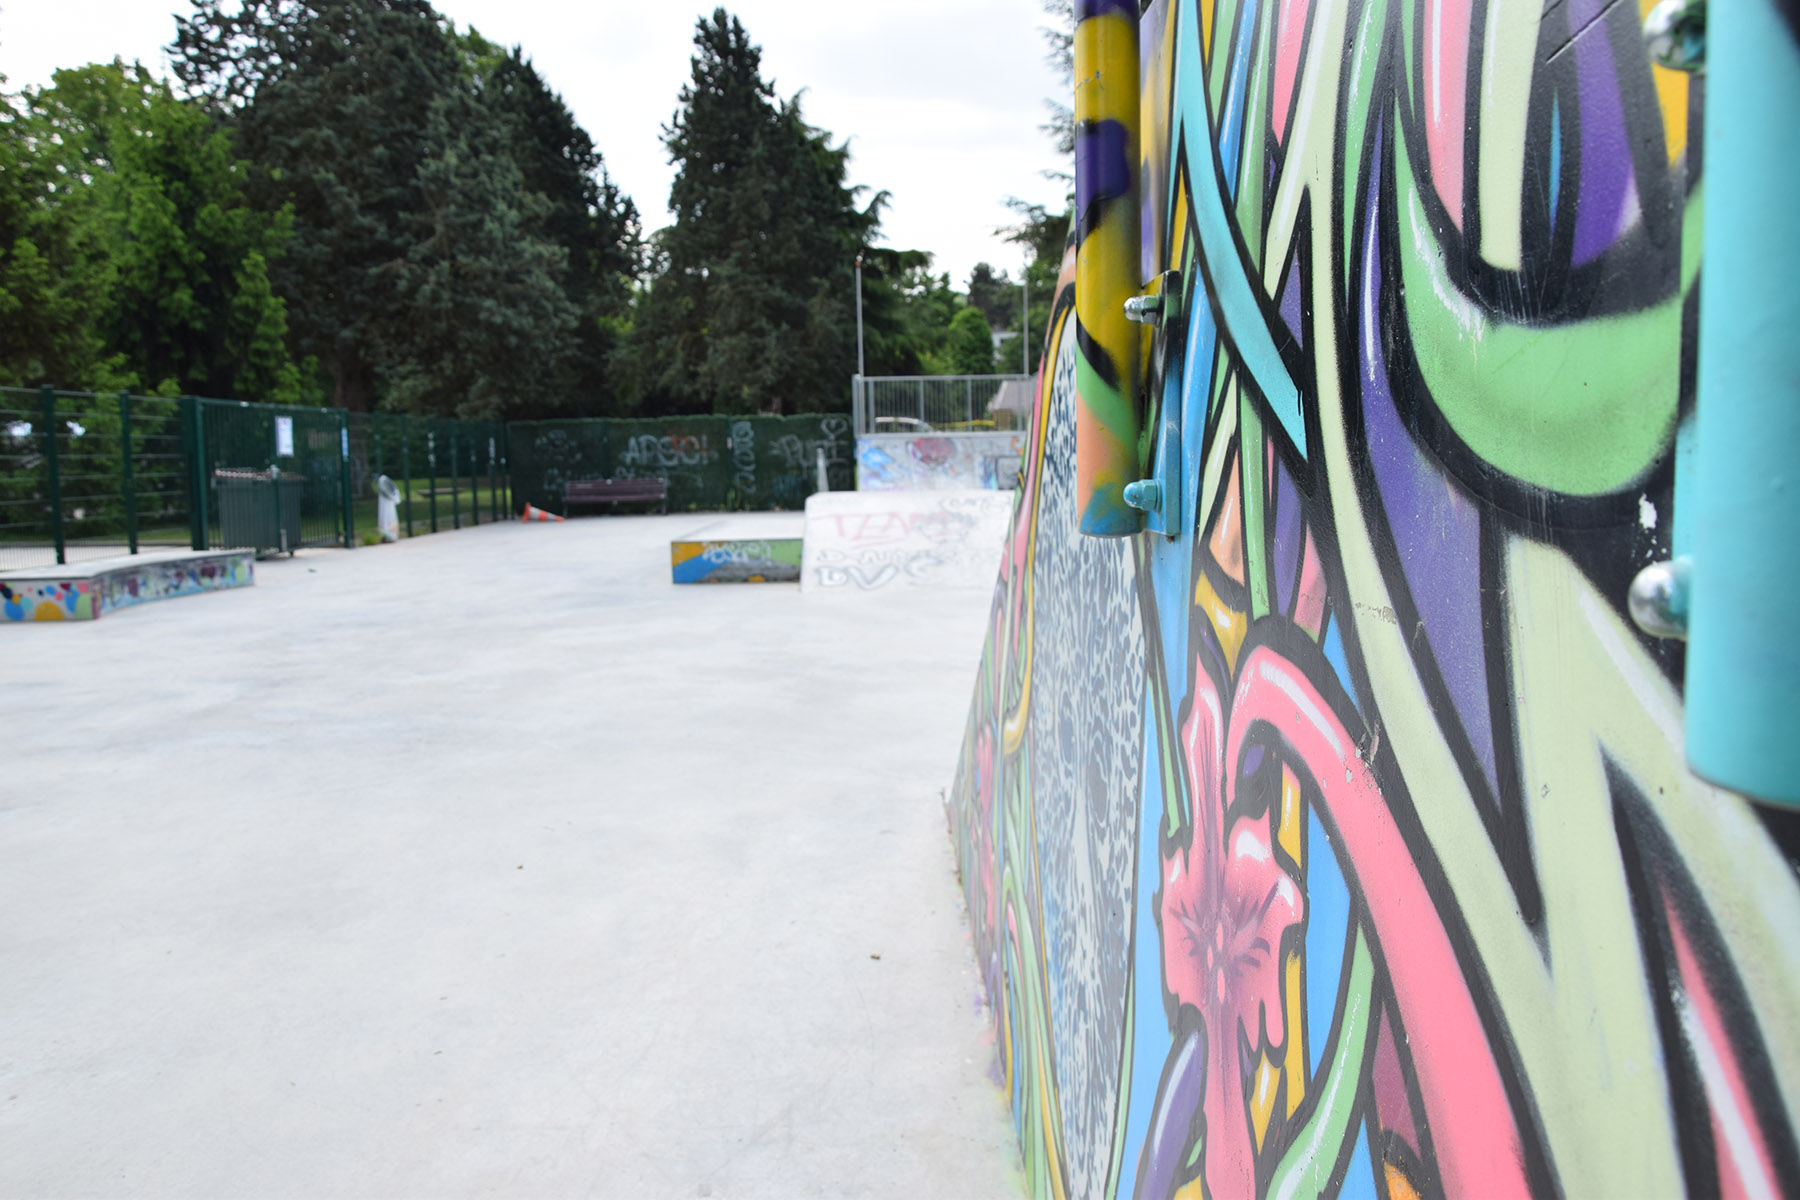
{"x":614,"y":491}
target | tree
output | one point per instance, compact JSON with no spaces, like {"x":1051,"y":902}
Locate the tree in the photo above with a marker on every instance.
{"x":332,"y":99}
{"x":189,"y":297}
{"x":162,"y":279}
{"x":1045,"y":236}
{"x":971,"y":349}
{"x":752,"y":307}
{"x":586,"y":215}
{"x":482,"y":314}
{"x":1059,"y":40}
{"x":995,"y":295}
{"x":906,"y":312}
{"x":423,"y":272}
{"x":52,"y":274}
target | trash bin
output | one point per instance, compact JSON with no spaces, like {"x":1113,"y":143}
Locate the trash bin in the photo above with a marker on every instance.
{"x":258,"y":510}
{"x":387,"y":508}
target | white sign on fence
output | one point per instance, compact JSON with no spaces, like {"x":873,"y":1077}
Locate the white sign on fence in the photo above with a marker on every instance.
{"x":284,"y":437}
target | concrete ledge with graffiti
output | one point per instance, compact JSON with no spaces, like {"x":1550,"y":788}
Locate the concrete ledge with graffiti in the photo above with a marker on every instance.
{"x":894,"y":541}
{"x":943,"y":461}
{"x":756,"y":549}
{"x":1337,"y":839}
{"x":88,"y":591}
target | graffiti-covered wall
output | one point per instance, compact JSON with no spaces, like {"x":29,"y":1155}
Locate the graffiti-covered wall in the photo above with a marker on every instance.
{"x":1342,"y":841}
{"x":711,"y":463}
{"x":938,"y":461}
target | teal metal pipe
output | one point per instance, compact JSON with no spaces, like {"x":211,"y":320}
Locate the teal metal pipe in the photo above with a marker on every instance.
{"x":1743,"y":663}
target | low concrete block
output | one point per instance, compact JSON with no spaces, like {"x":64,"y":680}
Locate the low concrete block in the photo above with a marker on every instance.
{"x":743,"y":548}
{"x":87,"y":591}
{"x":736,"y":560}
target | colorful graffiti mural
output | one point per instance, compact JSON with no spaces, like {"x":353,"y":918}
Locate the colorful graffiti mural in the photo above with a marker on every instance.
{"x":88,"y":591}
{"x":735,"y":560}
{"x":1338,"y":840}
{"x":907,"y":462}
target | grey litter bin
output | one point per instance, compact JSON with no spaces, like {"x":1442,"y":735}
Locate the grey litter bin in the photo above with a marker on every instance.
{"x":258,"y":510}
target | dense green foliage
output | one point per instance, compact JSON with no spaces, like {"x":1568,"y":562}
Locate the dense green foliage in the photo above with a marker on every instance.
{"x":440,"y":262}
{"x":753,"y":309}
{"x":130,"y":253}
{"x":996,"y":295}
{"x":354,"y":202}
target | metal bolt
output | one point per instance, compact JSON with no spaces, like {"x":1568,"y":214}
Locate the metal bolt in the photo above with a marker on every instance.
{"x":1145,"y":494}
{"x":1659,"y":598}
{"x":1143,"y":309}
{"x":1675,"y":34}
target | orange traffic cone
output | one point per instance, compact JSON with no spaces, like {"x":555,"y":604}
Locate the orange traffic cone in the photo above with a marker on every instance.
{"x":534,"y":513}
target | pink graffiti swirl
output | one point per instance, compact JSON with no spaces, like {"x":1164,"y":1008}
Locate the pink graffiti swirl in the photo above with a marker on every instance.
{"x":1475,"y":1137}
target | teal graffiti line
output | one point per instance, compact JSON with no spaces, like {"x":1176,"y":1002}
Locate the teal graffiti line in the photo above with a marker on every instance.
{"x":1228,"y":273}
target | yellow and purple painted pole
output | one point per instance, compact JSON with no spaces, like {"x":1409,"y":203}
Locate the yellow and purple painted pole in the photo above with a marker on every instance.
{"x":1108,"y":344}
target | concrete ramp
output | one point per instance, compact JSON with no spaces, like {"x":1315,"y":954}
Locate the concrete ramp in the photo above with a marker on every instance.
{"x":898,"y":541}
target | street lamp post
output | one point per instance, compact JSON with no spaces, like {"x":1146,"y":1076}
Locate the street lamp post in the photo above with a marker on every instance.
{"x":859,"y":324}
{"x":1025,"y":324}
{"x":856,"y":401}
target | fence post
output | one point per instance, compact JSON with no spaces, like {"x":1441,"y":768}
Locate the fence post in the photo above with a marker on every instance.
{"x":406,"y":468}
{"x":190,"y":469}
{"x":344,"y":478}
{"x":506,"y":467}
{"x":455,"y":484}
{"x":474,"y":477}
{"x":431,"y":472}
{"x":493,"y":476}
{"x":47,"y":395}
{"x":199,"y":476}
{"x":131,"y":528}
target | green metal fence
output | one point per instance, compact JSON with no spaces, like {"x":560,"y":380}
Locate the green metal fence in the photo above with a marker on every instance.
{"x":450,"y":473}
{"x":711,"y":463}
{"x":86,"y":476}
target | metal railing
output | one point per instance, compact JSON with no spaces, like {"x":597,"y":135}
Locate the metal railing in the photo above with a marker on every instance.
{"x":928,"y":403}
{"x":86,"y":475}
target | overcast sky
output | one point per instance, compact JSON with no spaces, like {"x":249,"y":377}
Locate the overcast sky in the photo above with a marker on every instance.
{"x":940,"y":99}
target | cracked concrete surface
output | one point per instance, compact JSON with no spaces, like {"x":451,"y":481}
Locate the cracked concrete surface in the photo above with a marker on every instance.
{"x":492,"y":863}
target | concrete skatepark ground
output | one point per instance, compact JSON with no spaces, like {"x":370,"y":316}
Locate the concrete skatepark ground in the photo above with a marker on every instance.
{"x":493,"y":863}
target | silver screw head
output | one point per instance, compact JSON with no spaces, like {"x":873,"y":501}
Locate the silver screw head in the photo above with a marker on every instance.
{"x":1659,"y":598}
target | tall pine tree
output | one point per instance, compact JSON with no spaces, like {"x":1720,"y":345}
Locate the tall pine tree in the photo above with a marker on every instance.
{"x":425,"y":272}
{"x":753,"y":309}
{"x":586,"y":214}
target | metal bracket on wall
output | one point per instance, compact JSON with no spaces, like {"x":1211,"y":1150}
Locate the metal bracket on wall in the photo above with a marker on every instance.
{"x":1159,"y":497}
